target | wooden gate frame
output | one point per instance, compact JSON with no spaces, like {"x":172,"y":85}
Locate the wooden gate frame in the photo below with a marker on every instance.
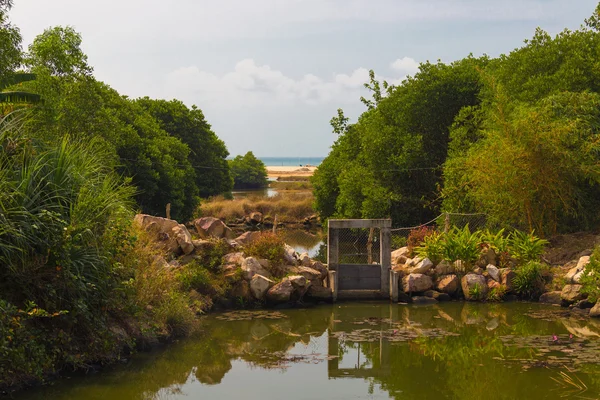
{"x":389,"y":279}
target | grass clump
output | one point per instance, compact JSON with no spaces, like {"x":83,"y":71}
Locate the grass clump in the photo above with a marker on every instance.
{"x":268,"y":246}
{"x":529,"y":282}
{"x":591,"y":277}
{"x":288,"y":207}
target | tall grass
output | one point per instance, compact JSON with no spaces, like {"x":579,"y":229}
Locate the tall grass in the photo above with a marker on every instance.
{"x":288,"y":207}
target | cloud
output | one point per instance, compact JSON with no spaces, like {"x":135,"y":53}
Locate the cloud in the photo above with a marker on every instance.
{"x":250,"y":84}
{"x":405,"y":65}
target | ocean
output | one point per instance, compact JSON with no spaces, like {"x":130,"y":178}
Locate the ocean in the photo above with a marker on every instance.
{"x":290,"y":161}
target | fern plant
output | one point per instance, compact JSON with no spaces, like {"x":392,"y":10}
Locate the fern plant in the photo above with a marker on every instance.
{"x":526,"y":247}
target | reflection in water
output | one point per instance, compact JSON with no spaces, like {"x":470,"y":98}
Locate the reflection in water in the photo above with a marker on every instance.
{"x":366,"y":350}
{"x":304,"y":241}
{"x":262,"y":192}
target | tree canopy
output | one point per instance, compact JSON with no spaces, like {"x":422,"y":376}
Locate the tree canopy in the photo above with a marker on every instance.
{"x":248,"y":172}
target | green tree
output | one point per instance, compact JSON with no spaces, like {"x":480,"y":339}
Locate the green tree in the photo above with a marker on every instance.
{"x":248,"y":172}
{"x":207,"y":152}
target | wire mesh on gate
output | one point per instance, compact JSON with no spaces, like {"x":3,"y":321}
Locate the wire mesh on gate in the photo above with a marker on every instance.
{"x":359,"y":246}
{"x":443,"y":222}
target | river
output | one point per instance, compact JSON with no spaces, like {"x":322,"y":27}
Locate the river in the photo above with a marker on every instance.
{"x":364,"y":351}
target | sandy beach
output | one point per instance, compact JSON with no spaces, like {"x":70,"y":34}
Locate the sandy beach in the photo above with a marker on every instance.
{"x":277,"y":171}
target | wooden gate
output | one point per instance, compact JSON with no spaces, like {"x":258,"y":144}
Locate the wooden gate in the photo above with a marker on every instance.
{"x":359,"y":280}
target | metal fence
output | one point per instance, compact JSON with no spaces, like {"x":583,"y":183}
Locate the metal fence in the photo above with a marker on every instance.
{"x":443,"y":222}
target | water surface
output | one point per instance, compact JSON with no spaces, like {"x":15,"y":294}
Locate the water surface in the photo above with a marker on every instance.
{"x":365,"y":351}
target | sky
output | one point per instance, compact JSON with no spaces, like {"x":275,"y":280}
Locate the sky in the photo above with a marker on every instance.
{"x":270,"y":74}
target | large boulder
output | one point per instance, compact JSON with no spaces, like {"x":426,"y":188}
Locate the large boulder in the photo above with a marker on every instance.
{"x":444,"y":268}
{"x":309,"y":273}
{"x":281,"y":292}
{"x":551,"y":298}
{"x":251,"y":266}
{"x":422,"y":267}
{"x":305,"y":259}
{"x":447,"y":284}
{"x":413,"y":283}
{"x":494,"y":272}
{"x":507,"y":277}
{"x":317,"y":265}
{"x":572,"y":293}
{"x":290,"y":255}
{"x":595,"y":311}
{"x":183,"y":238}
{"x":259,"y":285}
{"x":247,"y":238}
{"x":212,"y":227}
{"x":160,"y":230}
{"x":299,"y":282}
{"x":474,"y":286}
{"x":400,"y":256}
{"x":574,"y":275}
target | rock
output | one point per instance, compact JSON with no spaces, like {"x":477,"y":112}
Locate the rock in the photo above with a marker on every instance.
{"x":309,"y":273}
{"x":471,"y":283}
{"x":412,"y":262}
{"x":422,"y":267}
{"x":478,"y":271}
{"x":494,"y":272}
{"x":437,"y":295}
{"x":251,"y":267}
{"x":247,"y":238}
{"x":212,"y":227}
{"x":184,"y":239}
{"x":571,"y":293}
{"x":241,"y":289}
{"x":447,"y":284}
{"x":319,"y":293}
{"x":416,"y":283}
{"x":290,"y":255}
{"x":259,"y":285}
{"x":233,"y":258}
{"x":507,"y":277}
{"x":298,"y":281}
{"x":574,"y":275}
{"x":490,"y":258}
{"x":584,"y":304}
{"x":256,"y":217}
{"x":551,"y":298}
{"x":423,"y":300}
{"x":397,"y":254}
{"x":444,"y":268}
{"x":281,"y":292}
{"x":492,"y":284}
{"x":403,"y":297}
{"x":305,"y":259}
{"x":160,"y":230}
{"x":201,"y":245}
{"x":595,"y":311}
{"x":318,"y":266}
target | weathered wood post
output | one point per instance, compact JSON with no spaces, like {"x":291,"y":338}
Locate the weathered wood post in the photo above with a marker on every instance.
{"x":385,"y":255}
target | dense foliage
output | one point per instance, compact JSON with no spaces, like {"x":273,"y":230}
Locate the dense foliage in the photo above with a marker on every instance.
{"x":168,"y":149}
{"x":248,"y":172}
{"x":78,"y":282}
{"x":515,"y":137}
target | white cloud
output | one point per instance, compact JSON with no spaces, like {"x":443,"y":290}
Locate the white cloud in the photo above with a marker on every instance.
{"x":250,"y":85}
{"x":405,"y":65}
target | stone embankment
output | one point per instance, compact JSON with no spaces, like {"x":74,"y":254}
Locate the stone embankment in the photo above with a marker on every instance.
{"x":299,"y":279}
{"x":422,"y":282}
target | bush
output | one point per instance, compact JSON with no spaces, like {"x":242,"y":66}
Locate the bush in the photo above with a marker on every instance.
{"x":591,"y":277}
{"x":461,"y":244}
{"x":526,"y":247}
{"x":268,"y":246}
{"x":528,"y":281}
{"x":418,"y":235}
{"x":432,"y":247}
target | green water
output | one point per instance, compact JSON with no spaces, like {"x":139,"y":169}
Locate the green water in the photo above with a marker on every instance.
{"x":364,"y":351}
